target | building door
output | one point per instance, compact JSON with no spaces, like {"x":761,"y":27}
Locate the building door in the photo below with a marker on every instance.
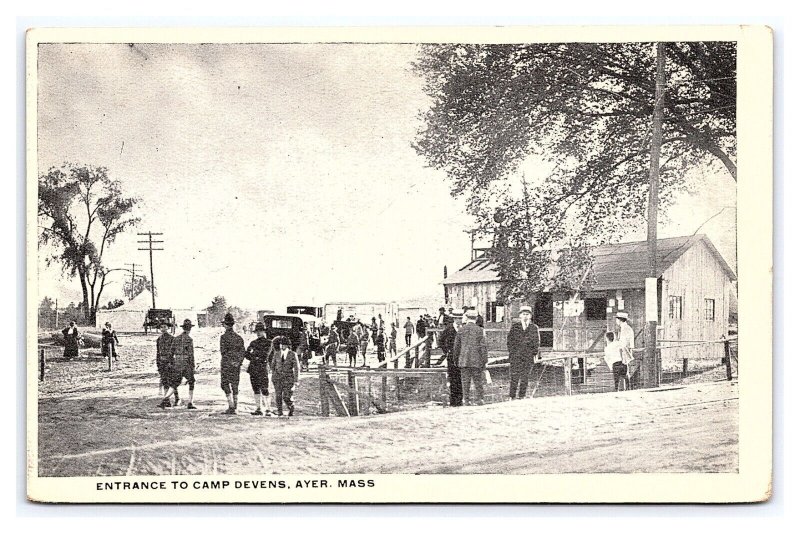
{"x":543,"y":317}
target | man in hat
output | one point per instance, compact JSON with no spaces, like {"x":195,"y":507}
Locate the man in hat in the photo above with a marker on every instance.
{"x":182,"y":366}
{"x":285,"y":375}
{"x":446,"y":342}
{"x":626,"y":340}
{"x":258,"y":354}
{"x":523,"y":346}
{"x":71,"y":336}
{"x":231,"y":349}
{"x":472,"y":354}
{"x":164,"y":357}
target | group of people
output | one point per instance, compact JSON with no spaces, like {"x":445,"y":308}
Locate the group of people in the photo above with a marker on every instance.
{"x":265,"y":359}
{"x":108,"y":341}
{"x":357,"y":340}
{"x":464,"y":347}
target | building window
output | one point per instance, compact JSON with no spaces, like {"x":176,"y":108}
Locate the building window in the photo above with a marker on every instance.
{"x":676,"y":307}
{"x":494,"y":312}
{"x":710,"y":315}
{"x":595,"y":308}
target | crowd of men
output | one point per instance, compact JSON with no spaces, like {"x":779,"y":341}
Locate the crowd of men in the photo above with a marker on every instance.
{"x":262,"y":359}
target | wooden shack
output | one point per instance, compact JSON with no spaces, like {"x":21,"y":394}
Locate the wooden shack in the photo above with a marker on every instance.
{"x":694,"y":288}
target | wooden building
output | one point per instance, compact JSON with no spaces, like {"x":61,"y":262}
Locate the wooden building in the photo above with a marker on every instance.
{"x":694,"y":288}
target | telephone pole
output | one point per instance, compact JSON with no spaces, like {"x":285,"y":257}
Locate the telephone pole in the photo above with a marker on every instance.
{"x":133,"y":275}
{"x":150,"y":242}
{"x":651,"y":366}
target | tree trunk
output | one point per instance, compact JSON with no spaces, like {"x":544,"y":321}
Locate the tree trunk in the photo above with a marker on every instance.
{"x":82,"y":274}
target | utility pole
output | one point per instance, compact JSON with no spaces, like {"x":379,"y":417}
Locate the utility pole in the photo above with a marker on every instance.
{"x":651,"y":364}
{"x":133,"y":276}
{"x":150,"y":242}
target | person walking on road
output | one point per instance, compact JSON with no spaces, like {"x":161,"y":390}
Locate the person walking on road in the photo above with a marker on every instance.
{"x":164,"y":358}
{"x":352,"y":348}
{"x":257,"y":354}
{"x":182,"y":366}
{"x":523,"y":347}
{"x":231,"y":349}
{"x":471,"y":352}
{"x":71,"y":336}
{"x":409,"y":329}
{"x":285,"y":375}
{"x":363,"y":342}
{"x":109,"y":342}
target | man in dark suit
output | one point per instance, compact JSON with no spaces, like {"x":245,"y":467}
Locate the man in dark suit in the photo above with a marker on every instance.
{"x":446,"y":342}
{"x":523,"y":347}
{"x":472,"y":355}
{"x":231,"y":349}
{"x":285,"y":375}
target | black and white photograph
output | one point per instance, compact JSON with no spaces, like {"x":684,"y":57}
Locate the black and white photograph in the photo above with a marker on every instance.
{"x":478,"y":265}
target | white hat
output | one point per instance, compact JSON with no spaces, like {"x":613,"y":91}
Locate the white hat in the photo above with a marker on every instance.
{"x":471,"y":314}
{"x":525,"y":308}
{"x":622,"y":314}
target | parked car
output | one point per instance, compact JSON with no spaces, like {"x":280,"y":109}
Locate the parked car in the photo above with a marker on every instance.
{"x":156,"y":317}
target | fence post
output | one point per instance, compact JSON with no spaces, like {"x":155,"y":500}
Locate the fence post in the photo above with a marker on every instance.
{"x":426,"y":352}
{"x":685,"y":371}
{"x":41,"y":365}
{"x":352,"y":394}
{"x":416,"y":356}
{"x":728,"y":370}
{"x":323,"y":392}
{"x":568,"y":376}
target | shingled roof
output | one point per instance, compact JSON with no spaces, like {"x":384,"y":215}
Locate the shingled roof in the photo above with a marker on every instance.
{"x":616,"y":266}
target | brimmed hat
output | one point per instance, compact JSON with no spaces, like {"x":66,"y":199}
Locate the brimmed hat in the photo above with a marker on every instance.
{"x":228,"y":320}
{"x":525,"y":308}
{"x":187,"y":324}
{"x":471,"y":314}
{"x":261,"y":327}
{"x":622,"y":314}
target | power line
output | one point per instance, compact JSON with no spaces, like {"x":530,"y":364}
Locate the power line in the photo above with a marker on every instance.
{"x":150,"y":242}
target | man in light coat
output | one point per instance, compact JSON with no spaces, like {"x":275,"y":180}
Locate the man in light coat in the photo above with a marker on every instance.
{"x":472,"y":355}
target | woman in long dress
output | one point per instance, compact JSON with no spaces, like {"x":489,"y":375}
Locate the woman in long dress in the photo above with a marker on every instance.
{"x":109,"y":341}
{"x":71,"y":336}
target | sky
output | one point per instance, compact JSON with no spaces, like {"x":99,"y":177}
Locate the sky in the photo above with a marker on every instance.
{"x":279,"y":174}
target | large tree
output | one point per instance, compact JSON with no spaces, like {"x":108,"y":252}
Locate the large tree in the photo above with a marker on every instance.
{"x":81,"y":212}
{"x":584,"y":110}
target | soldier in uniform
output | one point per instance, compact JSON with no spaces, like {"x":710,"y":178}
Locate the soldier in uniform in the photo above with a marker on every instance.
{"x":258,"y":353}
{"x":285,"y":375}
{"x":164,"y":358}
{"x":182,"y":366}
{"x":231,"y":349}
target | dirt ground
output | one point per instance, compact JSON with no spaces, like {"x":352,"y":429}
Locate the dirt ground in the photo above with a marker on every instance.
{"x":94,"y":422}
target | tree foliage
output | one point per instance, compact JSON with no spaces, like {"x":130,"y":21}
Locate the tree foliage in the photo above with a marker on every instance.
{"x":216,"y":311}
{"x":132,"y":288}
{"x":585,"y":110}
{"x":81,"y":212}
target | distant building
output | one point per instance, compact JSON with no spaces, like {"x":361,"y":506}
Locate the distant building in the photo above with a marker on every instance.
{"x":694,"y":288}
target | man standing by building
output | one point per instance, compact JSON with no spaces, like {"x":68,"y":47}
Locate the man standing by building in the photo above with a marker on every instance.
{"x":182,"y":366}
{"x":231,"y":349}
{"x":409,"y":329}
{"x":258,"y":355}
{"x":446,"y":342}
{"x":626,"y":339}
{"x":164,"y":358}
{"x":422,"y":327}
{"x":285,"y":375}
{"x":523,"y":346}
{"x":472,"y":354}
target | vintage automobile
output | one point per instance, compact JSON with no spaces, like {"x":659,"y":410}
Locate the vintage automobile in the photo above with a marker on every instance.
{"x":156,"y":317}
{"x":288,"y":325}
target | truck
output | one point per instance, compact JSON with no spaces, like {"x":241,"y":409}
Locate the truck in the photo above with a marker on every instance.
{"x":363,"y":311}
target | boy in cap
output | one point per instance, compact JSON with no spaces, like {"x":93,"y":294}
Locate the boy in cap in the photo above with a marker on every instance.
{"x":258,"y":354}
{"x":523,"y":346}
{"x":231,"y":349}
{"x":182,"y":366}
{"x":285,"y":375}
{"x":164,"y":358}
